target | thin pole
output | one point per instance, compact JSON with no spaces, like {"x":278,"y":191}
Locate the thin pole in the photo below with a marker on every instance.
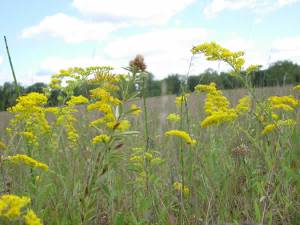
{"x":12,"y":67}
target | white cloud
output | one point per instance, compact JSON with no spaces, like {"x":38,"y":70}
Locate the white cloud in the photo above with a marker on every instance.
{"x":286,"y":48}
{"x":217,"y":6}
{"x":71,"y":29}
{"x":286,"y":2}
{"x":166,"y":51}
{"x":1,"y":59}
{"x":137,"y":11}
{"x":259,"y":6}
{"x":54,"y":64}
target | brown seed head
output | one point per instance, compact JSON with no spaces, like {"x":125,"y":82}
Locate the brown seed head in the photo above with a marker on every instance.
{"x":138,"y":63}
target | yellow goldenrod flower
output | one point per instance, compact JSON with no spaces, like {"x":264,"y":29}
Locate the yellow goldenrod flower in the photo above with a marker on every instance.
{"x":243,"y":105}
{"x":30,"y":218}
{"x":173,"y":117}
{"x":297,"y":87}
{"x":211,"y":88}
{"x":28,"y":161}
{"x":215,"y":52}
{"x":288,"y":122}
{"x":217,"y":106}
{"x":269,"y":128}
{"x":286,"y":103}
{"x":122,"y":125}
{"x":219,"y":117}
{"x":110,"y":87}
{"x":280,"y":123}
{"x":101,"y":138}
{"x":104,"y":75}
{"x":252,"y":68}
{"x":55,"y":82}
{"x":29,"y":102}
{"x":181,"y":134}
{"x":284,"y":107}
{"x":31,"y":114}
{"x":136,"y":158}
{"x":104,"y":96}
{"x":135,"y":110}
{"x":181,"y":99}
{"x":77,"y":100}
{"x":275,"y":116}
{"x":179,"y":187}
{"x":27,"y":134}
{"x":11,"y":205}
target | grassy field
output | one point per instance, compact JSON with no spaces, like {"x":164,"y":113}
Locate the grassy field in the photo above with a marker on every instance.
{"x":118,"y":159}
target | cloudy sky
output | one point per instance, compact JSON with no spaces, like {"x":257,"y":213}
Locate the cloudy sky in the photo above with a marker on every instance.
{"x":49,"y":35}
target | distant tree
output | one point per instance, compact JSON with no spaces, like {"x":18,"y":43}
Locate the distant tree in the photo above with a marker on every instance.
{"x":8,"y":95}
{"x":172,"y":84}
{"x":281,"y":73}
{"x":193,"y":81}
{"x":37,"y":87}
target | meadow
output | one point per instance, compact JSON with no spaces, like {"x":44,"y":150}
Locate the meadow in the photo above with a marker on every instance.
{"x":118,"y":157}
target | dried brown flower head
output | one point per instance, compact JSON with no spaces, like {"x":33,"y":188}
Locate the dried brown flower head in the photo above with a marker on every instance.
{"x":138,"y":63}
{"x":240,"y":150}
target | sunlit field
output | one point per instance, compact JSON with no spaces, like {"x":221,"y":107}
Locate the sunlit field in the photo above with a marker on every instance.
{"x":117,"y":157}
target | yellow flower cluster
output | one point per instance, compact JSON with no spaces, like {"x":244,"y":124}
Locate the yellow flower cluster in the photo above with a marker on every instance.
{"x":122,"y":125}
{"x":297,"y":87}
{"x":110,"y":106}
{"x":252,"y":68}
{"x":244,"y":105}
{"x":173,"y":117}
{"x":29,"y":103}
{"x":11,"y":205}
{"x":135,"y":110}
{"x":181,"y":99}
{"x":11,"y":208}
{"x":286,"y":103}
{"x":28,"y":161}
{"x":104,"y":96}
{"x":101,"y":138}
{"x":77,"y":100}
{"x":103,"y":74}
{"x":55,"y":82}
{"x":280,"y":123}
{"x":149,"y":156}
{"x":219,"y":117}
{"x":215,"y":101}
{"x":182,"y":134}
{"x":65,"y":117}
{"x":216,"y":106}
{"x":30,"y":218}
{"x":104,"y":104}
{"x":215,"y":52}
{"x":31,"y":114}
{"x":138,"y":159}
{"x":179,"y":187}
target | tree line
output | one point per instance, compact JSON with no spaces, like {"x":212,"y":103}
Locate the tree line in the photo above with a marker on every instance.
{"x":277,"y":74}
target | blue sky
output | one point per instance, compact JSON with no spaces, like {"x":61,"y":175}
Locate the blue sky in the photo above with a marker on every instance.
{"x":45,"y":36}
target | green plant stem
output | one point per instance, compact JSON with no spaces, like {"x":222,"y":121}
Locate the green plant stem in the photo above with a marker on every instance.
{"x":146,"y":130}
{"x":12,"y":67}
